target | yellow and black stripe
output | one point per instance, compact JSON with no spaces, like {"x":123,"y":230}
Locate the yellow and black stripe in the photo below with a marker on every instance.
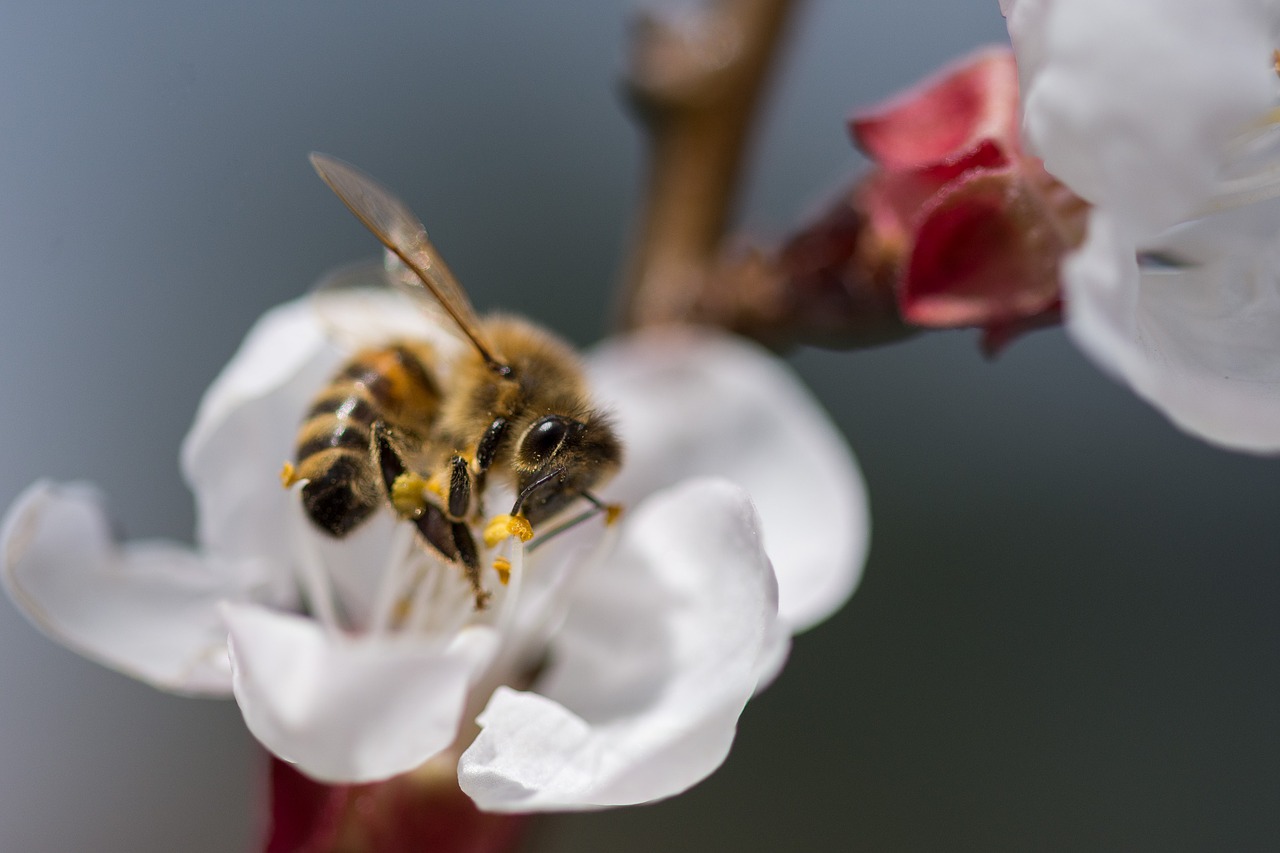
{"x":393,"y":385}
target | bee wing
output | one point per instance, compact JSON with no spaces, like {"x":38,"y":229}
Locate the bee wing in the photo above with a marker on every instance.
{"x":426,"y":277}
{"x":360,"y":305}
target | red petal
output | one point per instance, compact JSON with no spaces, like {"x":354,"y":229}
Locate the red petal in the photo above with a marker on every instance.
{"x":420,"y":811}
{"x":305,"y":814}
{"x":893,"y":201}
{"x":823,"y":248}
{"x":985,"y":253}
{"x":940,"y":120}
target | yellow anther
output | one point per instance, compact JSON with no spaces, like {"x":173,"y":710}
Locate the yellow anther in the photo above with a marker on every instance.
{"x":612,"y":513}
{"x":502,"y":526}
{"x":288,"y":475}
{"x":436,"y":486}
{"x":408,"y":495}
{"x":400,"y":613}
{"x":502,"y":566}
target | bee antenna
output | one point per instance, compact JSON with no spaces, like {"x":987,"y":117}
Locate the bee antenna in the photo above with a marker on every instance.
{"x":528,"y":490}
{"x":598,"y":506}
{"x":586,"y":515}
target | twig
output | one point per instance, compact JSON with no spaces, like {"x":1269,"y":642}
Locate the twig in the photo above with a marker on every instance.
{"x":695,"y":83}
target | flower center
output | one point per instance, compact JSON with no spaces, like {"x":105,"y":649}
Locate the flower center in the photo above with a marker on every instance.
{"x":422,"y":593}
{"x":1251,"y":162}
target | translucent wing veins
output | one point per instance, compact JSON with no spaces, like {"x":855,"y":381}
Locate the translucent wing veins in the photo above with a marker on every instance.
{"x":404,"y":235}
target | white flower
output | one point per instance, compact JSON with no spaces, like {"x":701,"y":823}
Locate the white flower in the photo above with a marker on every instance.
{"x":1159,"y":112}
{"x":611,"y":669}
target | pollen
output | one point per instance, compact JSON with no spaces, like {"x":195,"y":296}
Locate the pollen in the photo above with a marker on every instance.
{"x":502,"y":526}
{"x":612,"y":513}
{"x":502,"y":566}
{"x":436,"y":487}
{"x":408,"y":495}
{"x":288,"y":475}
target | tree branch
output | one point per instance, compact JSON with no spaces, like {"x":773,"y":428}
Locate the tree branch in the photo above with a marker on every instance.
{"x":695,"y":83}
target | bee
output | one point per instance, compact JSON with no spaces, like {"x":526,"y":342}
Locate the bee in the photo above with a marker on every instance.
{"x":400,"y":424}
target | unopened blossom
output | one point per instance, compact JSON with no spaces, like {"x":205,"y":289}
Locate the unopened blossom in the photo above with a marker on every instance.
{"x":1160,"y":113}
{"x":954,"y":224}
{"x":610,"y":665}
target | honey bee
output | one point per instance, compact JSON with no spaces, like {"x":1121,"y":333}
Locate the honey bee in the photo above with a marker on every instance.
{"x":401,"y":425}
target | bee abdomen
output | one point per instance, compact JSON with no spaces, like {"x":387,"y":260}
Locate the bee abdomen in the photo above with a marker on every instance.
{"x":326,"y":432}
{"x":397,"y":382}
{"x":333,"y":454}
{"x":391,"y":384}
{"x":338,"y":499}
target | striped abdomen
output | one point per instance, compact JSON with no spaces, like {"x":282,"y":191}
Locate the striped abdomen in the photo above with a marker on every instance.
{"x":392,"y":384}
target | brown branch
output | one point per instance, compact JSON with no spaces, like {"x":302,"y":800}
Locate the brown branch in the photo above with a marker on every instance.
{"x":695,"y":84}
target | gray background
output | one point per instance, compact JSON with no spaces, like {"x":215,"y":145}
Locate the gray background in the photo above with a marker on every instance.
{"x":1066,"y":638}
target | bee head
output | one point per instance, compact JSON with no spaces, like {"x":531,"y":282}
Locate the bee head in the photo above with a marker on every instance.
{"x":558,"y":458}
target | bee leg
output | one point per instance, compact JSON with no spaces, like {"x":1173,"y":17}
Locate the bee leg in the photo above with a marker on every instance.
{"x":467,"y":480}
{"x":470,"y":560}
{"x":486,"y":452}
{"x":385,"y":457}
{"x":405,"y":489}
{"x":460,"y":481}
{"x":451,"y":539}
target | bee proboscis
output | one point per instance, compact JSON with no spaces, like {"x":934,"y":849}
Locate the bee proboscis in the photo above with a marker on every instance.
{"x":401,"y":425}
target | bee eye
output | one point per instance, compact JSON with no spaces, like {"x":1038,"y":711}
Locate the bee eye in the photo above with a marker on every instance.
{"x":545,"y":436}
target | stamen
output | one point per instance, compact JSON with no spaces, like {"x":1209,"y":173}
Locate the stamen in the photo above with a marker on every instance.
{"x":512,"y":582}
{"x":390,"y":597}
{"x":453,"y":608}
{"x":561,"y":528}
{"x":425,"y":595}
{"x":612,"y":512}
{"x":551,"y":615}
{"x":1251,"y":166}
{"x":501,"y":527}
{"x":402,"y":611}
{"x":502,"y":566}
{"x":312,"y":578}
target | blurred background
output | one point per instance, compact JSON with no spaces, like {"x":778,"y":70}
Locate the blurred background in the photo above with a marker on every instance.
{"x":1066,"y":637}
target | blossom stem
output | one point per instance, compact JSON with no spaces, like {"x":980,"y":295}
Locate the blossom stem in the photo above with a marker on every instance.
{"x":695,"y":84}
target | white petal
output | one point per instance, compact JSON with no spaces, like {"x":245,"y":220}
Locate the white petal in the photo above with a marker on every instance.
{"x":1200,"y":344}
{"x":1132,"y":103}
{"x":349,"y":709}
{"x":692,"y":404}
{"x":1101,"y":290}
{"x":244,"y":431}
{"x":147,"y":609}
{"x":650,"y":671}
{"x":350,"y":572}
{"x":1026,"y":20}
{"x":248,"y":420}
